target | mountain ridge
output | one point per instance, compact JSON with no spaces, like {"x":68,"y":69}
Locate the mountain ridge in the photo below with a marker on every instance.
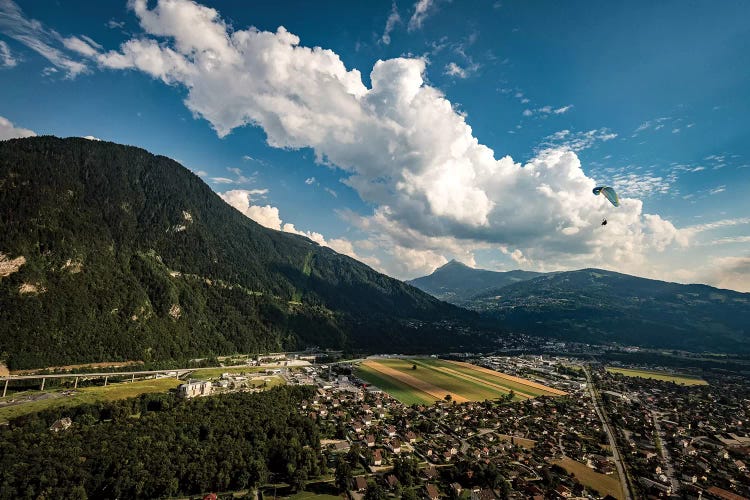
{"x":129,"y":255}
{"x":598,"y":306}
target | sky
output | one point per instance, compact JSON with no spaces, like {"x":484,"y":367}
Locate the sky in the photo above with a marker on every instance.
{"x":408,"y":133}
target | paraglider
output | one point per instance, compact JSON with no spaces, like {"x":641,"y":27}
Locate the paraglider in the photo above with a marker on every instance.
{"x":608,"y":193}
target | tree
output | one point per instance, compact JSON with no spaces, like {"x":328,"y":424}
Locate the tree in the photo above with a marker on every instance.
{"x":414,"y":366}
{"x":343,"y":474}
{"x":448,"y":397}
{"x":375,"y":492}
{"x":509,"y":397}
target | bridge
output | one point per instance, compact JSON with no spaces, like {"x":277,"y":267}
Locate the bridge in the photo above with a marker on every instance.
{"x":105,"y":375}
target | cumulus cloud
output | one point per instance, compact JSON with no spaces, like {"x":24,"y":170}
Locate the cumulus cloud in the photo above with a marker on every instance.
{"x":732,"y":273}
{"x":10,"y":131}
{"x":401,"y":144}
{"x":91,"y":138}
{"x":6,"y":57}
{"x":35,"y":36}
{"x":269,"y":216}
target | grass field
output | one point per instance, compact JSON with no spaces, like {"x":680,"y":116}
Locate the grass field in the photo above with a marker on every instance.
{"x":90,"y":395}
{"x":211,"y":373}
{"x":666,"y":376}
{"x":603,"y":483}
{"x":434,"y":378}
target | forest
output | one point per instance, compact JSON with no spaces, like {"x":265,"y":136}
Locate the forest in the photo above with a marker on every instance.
{"x":159,"y":446}
{"x":131,"y":256}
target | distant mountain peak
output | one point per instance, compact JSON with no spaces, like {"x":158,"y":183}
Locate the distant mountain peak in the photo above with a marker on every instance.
{"x":453,"y":263}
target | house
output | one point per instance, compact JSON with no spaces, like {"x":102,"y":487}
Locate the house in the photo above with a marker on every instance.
{"x":194,"y":388}
{"x":360,"y":484}
{"x":377,"y":458}
{"x":357,"y":426}
{"x":411,"y":437}
{"x":563,"y":491}
{"x":485,"y":494}
{"x":370,"y":439}
{"x":432,"y":491}
{"x":716,"y":492}
{"x":457,"y":489}
{"x":391,"y":480}
{"x":391,"y":431}
{"x":61,"y":424}
{"x":396,"y":446}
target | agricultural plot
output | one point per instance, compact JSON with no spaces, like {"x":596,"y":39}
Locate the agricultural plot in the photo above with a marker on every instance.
{"x":656,"y":375}
{"x":425,"y":380}
{"x":602,"y":483}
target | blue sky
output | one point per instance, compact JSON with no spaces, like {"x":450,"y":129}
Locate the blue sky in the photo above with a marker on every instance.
{"x":409,"y":133}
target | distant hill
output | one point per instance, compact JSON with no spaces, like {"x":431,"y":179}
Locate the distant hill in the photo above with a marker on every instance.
{"x":457,"y":283}
{"x":597,"y":306}
{"x":108,"y":252}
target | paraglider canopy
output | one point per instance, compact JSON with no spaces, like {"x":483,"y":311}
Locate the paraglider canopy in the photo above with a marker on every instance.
{"x":608,"y":193}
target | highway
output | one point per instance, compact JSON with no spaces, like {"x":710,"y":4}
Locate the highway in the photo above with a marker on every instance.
{"x":610,"y":435}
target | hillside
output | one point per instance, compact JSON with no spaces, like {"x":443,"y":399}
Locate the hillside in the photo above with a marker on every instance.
{"x":592,"y":305}
{"x":456,"y":282}
{"x":111,"y":253}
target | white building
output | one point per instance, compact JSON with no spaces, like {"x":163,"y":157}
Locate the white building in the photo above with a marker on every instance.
{"x":194,"y":388}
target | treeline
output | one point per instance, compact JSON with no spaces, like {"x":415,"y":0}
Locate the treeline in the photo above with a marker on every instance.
{"x":158,"y":446}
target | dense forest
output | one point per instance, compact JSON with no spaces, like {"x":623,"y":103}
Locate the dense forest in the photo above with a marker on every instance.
{"x":158,"y":446}
{"x":108,"y":252}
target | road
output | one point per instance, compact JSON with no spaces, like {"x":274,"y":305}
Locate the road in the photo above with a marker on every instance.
{"x":666,"y":458}
{"x":610,"y":435}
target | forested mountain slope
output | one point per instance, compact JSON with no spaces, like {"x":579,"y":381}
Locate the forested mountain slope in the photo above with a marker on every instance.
{"x":109,"y":252}
{"x":593,"y":305}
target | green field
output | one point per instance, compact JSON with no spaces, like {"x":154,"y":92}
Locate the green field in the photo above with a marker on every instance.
{"x":212,"y":373}
{"x":403,"y":392}
{"x":656,"y":375}
{"x":603,"y":483}
{"x":442,"y":378}
{"x":90,"y":395}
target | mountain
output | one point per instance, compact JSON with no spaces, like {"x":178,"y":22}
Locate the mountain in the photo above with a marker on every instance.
{"x":108,"y":252}
{"x":597,"y":306}
{"x":457,"y":283}
{"x":592,"y":305}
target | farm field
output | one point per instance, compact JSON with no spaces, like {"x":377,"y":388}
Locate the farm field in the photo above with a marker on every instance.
{"x":604,"y":484}
{"x":111,"y":392}
{"x":433,"y":379}
{"x":666,"y":376}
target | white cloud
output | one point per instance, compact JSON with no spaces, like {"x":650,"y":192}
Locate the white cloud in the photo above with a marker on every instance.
{"x":421,"y":10}
{"x":717,"y":190}
{"x":91,"y":138}
{"x":310,"y":180}
{"x":10,"y":131}
{"x":113,"y":24}
{"x":83,"y":45}
{"x":38,"y":38}
{"x":732,"y":273}
{"x":527,"y":112}
{"x":402,"y":145}
{"x":453,"y":69}
{"x":331,"y":192}
{"x":393,"y":19}
{"x":268,"y":216}
{"x":562,"y":110}
{"x":6,"y":57}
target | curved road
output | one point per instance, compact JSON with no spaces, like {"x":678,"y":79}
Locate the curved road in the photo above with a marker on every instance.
{"x":610,"y":435}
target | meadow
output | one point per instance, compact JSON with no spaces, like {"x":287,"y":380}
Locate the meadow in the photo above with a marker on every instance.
{"x":425,"y":380}
{"x":603,"y":483}
{"x":83,"y":395}
{"x":657,"y":375}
